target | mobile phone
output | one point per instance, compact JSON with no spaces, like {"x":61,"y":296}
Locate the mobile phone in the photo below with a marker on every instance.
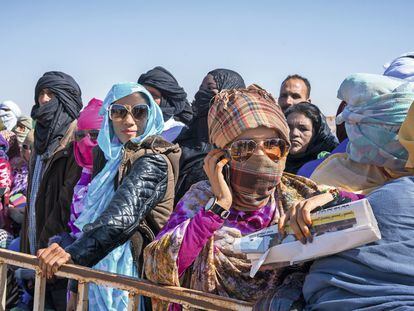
{"x":226,"y":173}
{"x":226,"y":168}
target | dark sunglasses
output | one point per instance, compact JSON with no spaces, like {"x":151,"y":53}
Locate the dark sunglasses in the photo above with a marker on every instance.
{"x":241,"y":150}
{"x":118,"y":112}
{"x":80,"y":134}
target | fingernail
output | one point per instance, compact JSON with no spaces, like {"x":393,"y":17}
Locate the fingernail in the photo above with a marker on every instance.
{"x":310,"y":238}
{"x":303,"y":240}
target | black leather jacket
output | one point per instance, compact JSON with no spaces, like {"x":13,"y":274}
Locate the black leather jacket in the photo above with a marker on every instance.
{"x":140,"y":191}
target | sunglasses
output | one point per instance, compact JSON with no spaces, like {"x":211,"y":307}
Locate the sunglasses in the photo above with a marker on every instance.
{"x":119,"y":112}
{"x":241,"y":150}
{"x":81,"y":134}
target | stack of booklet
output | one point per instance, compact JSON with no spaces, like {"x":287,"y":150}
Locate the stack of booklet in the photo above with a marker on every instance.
{"x":334,"y":230}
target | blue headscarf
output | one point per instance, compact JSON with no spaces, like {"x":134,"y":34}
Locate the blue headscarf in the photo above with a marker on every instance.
{"x":377,"y":106}
{"x":101,"y":191}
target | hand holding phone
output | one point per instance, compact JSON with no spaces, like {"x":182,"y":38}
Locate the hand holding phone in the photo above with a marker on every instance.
{"x":217,"y":170}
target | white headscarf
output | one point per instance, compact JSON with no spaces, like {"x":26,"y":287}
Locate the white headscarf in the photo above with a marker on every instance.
{"x":402,"y":67}
{"x":9,"y":113}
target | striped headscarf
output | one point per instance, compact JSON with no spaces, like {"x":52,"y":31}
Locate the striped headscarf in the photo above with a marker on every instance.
{"x":235,"y":111}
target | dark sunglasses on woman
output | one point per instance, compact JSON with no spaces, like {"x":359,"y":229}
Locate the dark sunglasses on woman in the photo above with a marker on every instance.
{"x":118,"y":112}
{"x":241,"y":150}
{"x":80,"y":134}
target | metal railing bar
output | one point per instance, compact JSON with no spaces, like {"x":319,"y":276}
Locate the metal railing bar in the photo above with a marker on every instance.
{"x":139,"y":287}
{"x":39,"y":293}
{"x":3,"y":285}
{"x":82,"y":303}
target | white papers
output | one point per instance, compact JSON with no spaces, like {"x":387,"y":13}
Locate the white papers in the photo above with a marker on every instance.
{"x":335,"y":229}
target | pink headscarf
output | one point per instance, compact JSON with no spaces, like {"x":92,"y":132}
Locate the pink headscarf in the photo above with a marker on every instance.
{"x":89,"y":119}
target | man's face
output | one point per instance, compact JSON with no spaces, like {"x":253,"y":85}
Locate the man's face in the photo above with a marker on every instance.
{"x":292,"y":92}
{"x":45,"y":96}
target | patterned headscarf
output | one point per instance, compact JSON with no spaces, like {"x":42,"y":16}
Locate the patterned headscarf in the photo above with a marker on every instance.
{"x":235,"y":111}
{"x":377,"y":106}
{"x":9,"y":114}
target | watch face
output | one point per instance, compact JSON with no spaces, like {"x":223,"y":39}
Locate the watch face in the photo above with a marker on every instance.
{"x":210,"y":204}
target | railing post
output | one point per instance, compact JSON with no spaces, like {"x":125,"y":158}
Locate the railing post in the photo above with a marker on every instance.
{"x":40,"y":291}
{"x":133,"y":301}
{"x":83,"y":290}
{"x":3,"y":285}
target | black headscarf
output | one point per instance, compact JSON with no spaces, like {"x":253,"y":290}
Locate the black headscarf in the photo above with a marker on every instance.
{"x":322,"y":139}
{"x":53,"y":119}
{"x":225,"y":80}
{"x":174,"y":99}
{"x":198,"y":129}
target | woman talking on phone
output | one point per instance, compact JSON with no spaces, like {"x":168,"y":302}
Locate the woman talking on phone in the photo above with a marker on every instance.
{"x":195,"y":247}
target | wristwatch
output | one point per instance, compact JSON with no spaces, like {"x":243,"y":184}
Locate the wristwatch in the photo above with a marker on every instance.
{"x":216,"y":209}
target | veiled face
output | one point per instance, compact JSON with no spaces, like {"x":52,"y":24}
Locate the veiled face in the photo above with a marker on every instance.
{"x":301,"y":132}
{"x":209,"y":83}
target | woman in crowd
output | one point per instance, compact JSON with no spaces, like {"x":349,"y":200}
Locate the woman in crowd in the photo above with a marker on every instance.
{"x":376,"y":107}
{"x":310,"y":135}
{"x":246,"y":191}
{"x":130,"y":198}
{"x":9,"y":114}
{"x":86,"y":138}
{"x":5,"y":186}
{"x":171,"y":98}
{"x":307,"y":169}
{"x":16,"y":193}
{"x":380,"y":275}
{"x":194,"y":140}
{"x":23,"y":126}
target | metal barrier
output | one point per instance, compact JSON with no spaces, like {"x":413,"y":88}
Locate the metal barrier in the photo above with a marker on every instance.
{"x":134,"y":286}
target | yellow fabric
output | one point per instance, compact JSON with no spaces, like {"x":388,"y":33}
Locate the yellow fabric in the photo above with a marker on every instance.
{"x":406,"y":137}
{"x":341,"y":172}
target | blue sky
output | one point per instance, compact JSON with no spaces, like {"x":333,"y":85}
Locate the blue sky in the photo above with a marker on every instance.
{"x":103,"y":42}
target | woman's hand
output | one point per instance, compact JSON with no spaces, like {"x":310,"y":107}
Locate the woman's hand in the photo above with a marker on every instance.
{"x":213,"y":166}
{"x":299,"y":216}
{"x":51,"y":259}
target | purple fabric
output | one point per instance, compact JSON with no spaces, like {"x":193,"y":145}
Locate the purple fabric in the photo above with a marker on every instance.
{"x":201,"y":227}
{"x":19,"y":176}
{"x":307,"y":169}
{"x":351,"y":195}
{"x":79,"y":193}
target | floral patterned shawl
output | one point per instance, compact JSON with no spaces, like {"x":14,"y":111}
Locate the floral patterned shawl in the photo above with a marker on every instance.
{"x":219,"y":269}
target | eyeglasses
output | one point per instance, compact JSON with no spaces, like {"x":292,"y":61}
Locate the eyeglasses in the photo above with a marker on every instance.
{"x":80,"y":134}
{"x":241,"y":150}
{"x":118,"y":112}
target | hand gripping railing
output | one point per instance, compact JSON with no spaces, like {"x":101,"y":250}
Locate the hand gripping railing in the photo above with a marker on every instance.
{"x":134,"y":286}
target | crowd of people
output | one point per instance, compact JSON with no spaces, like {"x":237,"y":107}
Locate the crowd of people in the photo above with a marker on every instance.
{"x":147,"y":185}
